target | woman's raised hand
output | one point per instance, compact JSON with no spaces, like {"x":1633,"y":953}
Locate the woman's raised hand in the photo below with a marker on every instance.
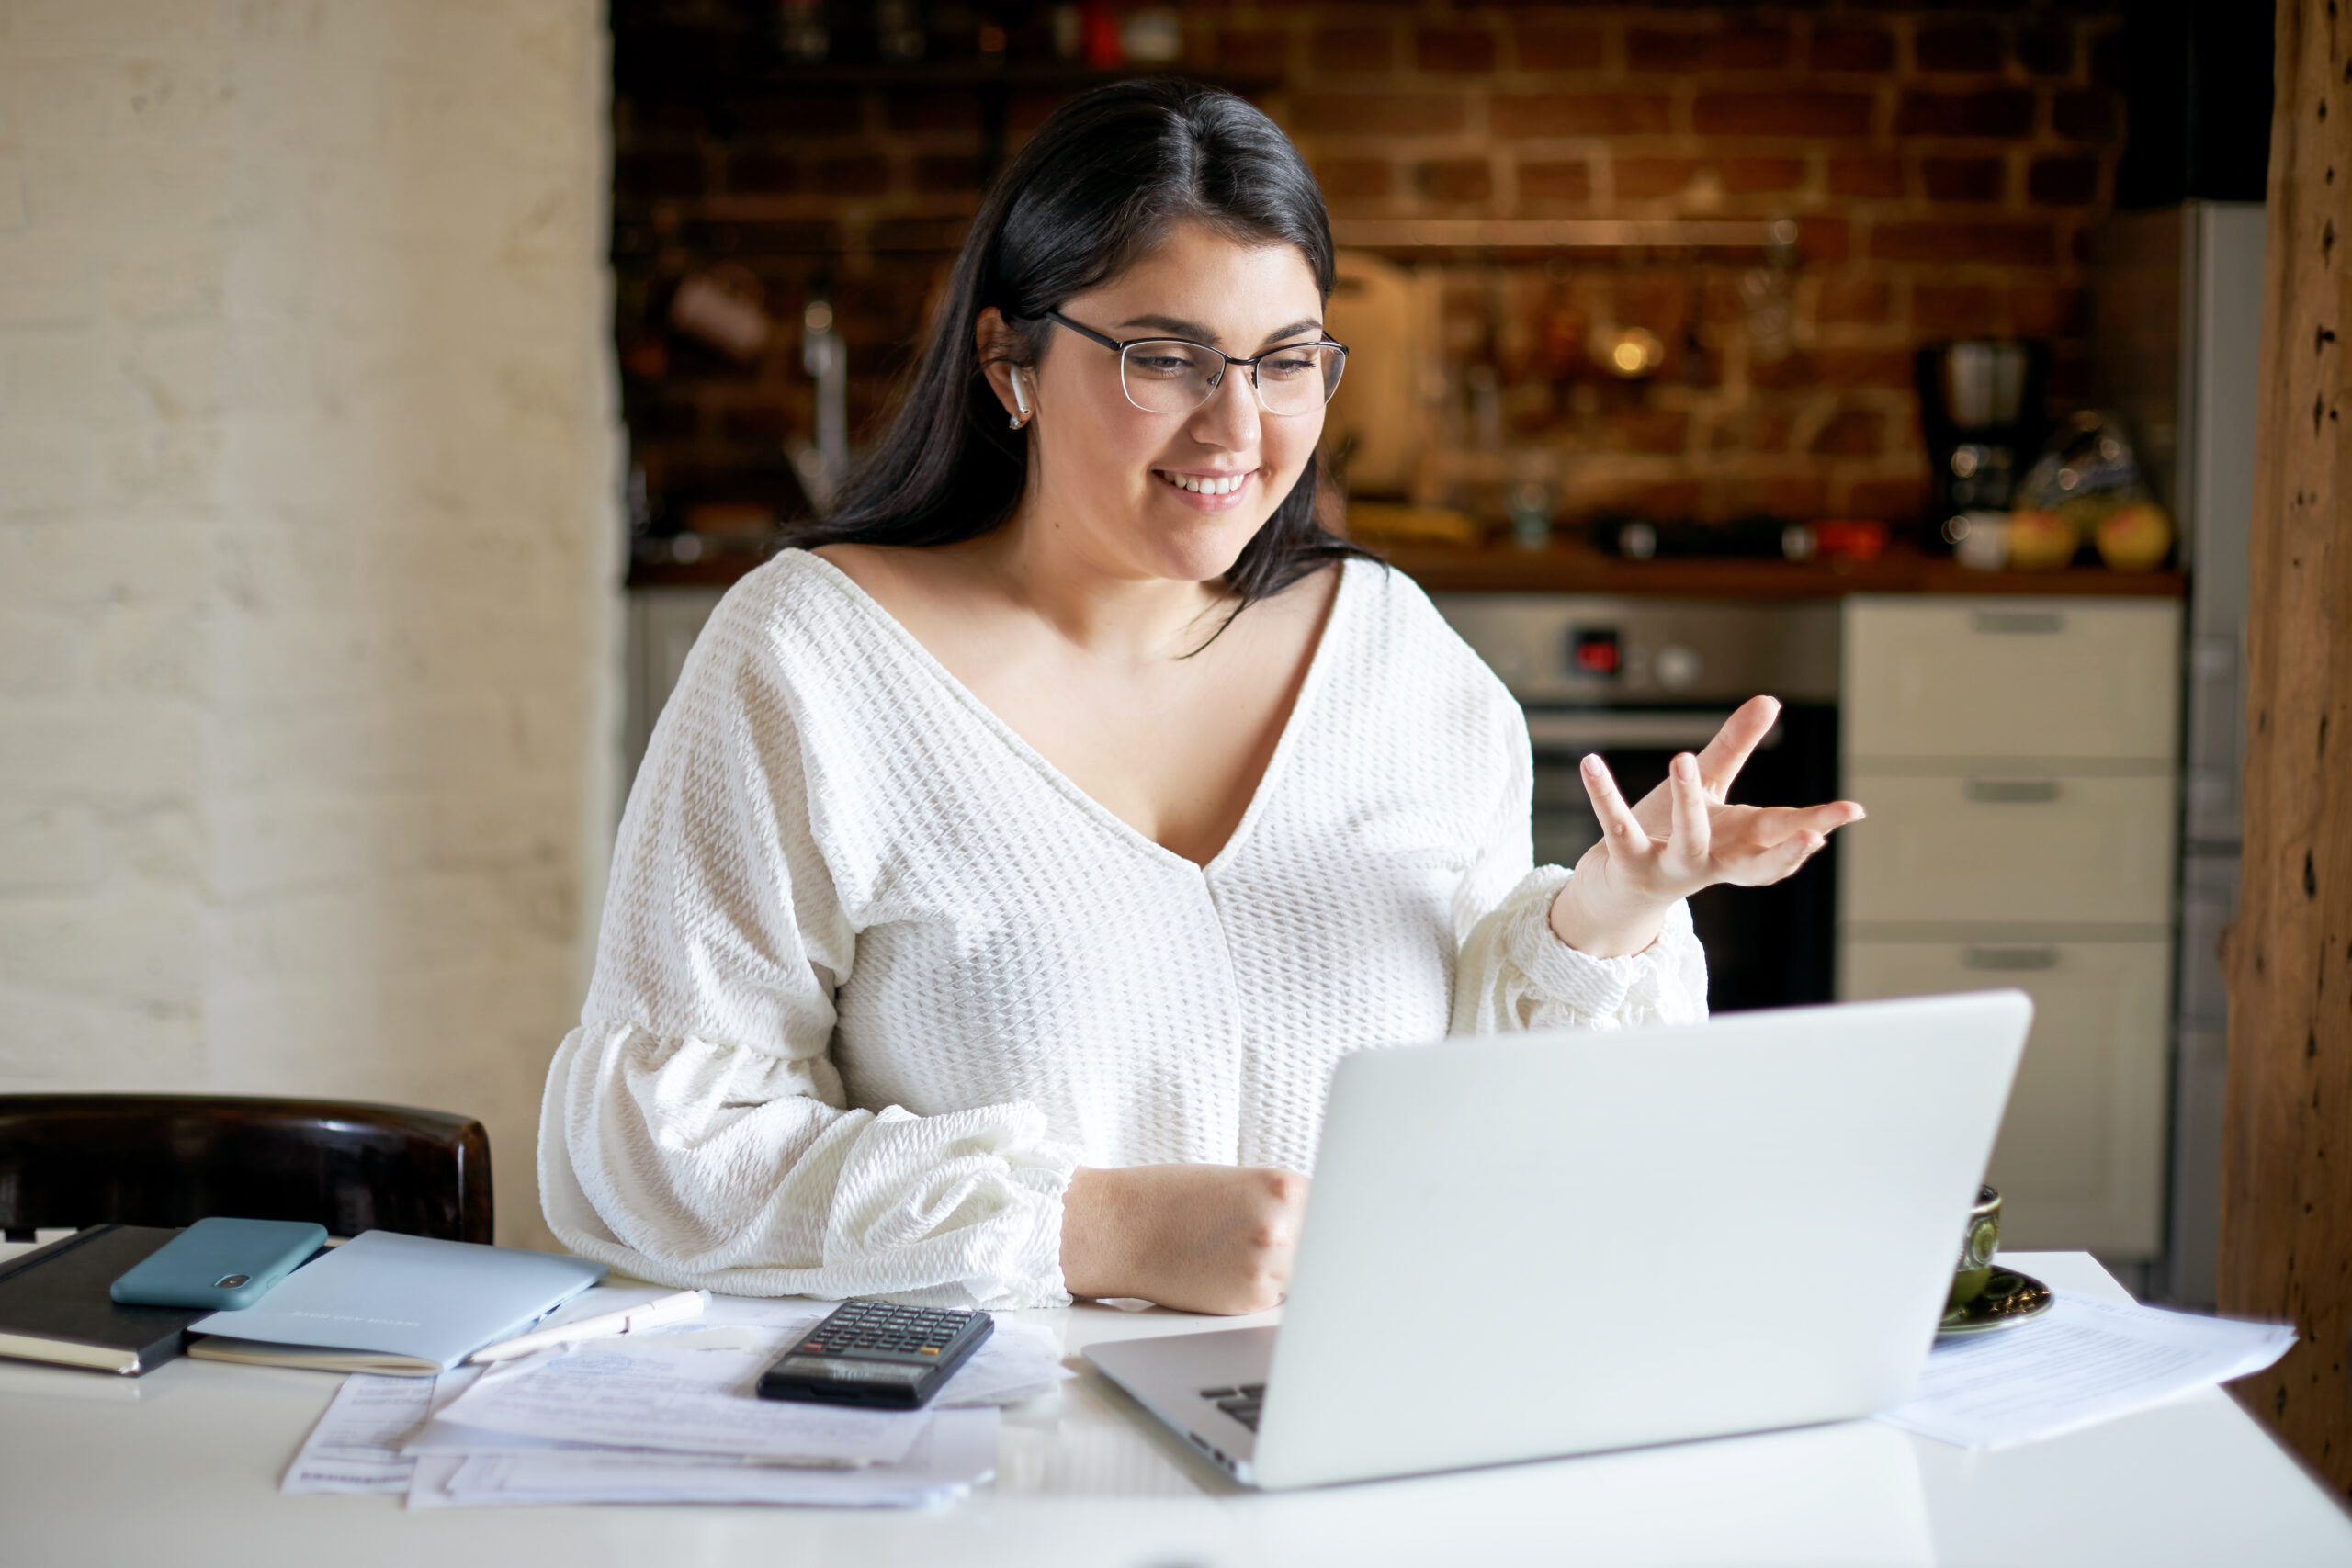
{"x":1683,"y":836}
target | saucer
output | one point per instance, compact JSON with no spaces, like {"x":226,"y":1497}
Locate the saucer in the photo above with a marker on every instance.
{"x":2009,"y":1299}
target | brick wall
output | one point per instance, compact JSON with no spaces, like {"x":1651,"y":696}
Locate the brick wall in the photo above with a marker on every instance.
{"x":308,"y":473}
{"x":1943,"y":163}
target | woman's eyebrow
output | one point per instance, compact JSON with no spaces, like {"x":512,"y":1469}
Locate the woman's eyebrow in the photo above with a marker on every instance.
{"x":1199,"y":334}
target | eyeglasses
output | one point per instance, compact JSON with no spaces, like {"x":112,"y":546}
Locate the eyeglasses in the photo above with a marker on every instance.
{"x":1167,"y":375}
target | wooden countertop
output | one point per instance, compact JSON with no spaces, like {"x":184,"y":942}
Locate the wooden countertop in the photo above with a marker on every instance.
{"x":1570,"y":565}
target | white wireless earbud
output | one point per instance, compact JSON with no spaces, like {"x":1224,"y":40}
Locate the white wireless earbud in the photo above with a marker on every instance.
{"x":1020,"y":400}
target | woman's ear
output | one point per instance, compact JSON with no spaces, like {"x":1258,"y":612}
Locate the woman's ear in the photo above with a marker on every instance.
{"x":998,"y":345}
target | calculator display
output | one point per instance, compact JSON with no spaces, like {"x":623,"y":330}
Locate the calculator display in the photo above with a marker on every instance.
{"x":856,"y":1372}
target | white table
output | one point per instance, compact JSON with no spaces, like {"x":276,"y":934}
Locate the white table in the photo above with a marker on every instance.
{"x":181,"y":1467}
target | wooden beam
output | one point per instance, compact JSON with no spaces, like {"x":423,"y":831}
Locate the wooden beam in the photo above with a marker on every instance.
{"x":2287,"y":1184}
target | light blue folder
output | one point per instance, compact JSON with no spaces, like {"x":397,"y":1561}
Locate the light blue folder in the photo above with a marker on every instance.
{"x":386,"y":1303}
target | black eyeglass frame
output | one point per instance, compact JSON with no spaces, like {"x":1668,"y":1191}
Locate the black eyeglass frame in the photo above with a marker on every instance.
{"x":1218,"y":382}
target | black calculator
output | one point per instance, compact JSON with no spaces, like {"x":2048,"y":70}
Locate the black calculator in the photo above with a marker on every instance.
{"x":878,"y":1355}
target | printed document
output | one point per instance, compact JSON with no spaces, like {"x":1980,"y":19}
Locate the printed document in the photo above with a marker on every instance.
{"x":956,"y":1451}
{"x":2085,"y":1362}
{"x":1019,"y":1362}
{"x":633,"y":1394}
{"x":667,"y":1416}
{"x":355,"y":1447}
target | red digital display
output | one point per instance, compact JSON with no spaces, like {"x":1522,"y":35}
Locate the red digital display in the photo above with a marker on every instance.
{"x":1596,"y":653}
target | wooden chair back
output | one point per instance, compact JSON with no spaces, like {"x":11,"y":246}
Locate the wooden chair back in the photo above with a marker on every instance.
{"x":165,"y":1159}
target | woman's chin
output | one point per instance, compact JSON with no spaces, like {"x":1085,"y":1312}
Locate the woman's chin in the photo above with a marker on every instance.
{"x":1197,"y":548}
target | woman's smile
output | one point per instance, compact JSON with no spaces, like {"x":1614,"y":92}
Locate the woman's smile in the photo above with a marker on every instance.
{"x":1208,"y":490}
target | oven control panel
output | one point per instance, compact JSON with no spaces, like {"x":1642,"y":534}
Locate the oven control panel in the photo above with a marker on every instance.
{"x":1556,"y":647}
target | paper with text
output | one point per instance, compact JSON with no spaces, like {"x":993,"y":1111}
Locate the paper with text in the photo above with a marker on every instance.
{"x":956,"y":1451}
{"x":1019,"y":1362}
{"x":641,"y":1392}
{"x":2085,"y":1361}
{"x":355,"y":1447}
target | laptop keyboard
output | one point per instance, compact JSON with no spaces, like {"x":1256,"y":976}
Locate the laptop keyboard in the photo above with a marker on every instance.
{"x":1242,"y":1401}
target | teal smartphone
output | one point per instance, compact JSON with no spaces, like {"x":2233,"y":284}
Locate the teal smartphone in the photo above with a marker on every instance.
{"x":219,"y":1265}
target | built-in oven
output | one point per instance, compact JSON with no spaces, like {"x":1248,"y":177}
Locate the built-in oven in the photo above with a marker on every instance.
{"x":1640,"y":679}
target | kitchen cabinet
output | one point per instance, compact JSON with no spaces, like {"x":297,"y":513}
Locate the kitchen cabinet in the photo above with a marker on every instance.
{"x":1967,"y":846}
{"x":2019,"y":759}
{"x":2082,"y":1147}
{"x":1952,"y":680}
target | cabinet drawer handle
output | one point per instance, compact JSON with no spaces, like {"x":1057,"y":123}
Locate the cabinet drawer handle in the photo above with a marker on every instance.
{"x":2008,"y":958}
{"x":2011,"y":792}
{"x":2015,"y":623}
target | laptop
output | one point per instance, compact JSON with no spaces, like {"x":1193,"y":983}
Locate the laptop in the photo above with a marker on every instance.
{"x":1527,"y":1246}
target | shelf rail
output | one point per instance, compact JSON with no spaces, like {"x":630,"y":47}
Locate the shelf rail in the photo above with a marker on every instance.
{"x":1565,"y":233}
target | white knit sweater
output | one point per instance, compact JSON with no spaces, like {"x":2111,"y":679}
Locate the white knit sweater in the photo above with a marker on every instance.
{"x":874,"y":977}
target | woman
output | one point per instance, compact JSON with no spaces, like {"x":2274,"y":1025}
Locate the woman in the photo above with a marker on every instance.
{"x":1006,"y":872}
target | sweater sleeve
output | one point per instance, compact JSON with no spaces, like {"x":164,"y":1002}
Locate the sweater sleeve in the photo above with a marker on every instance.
{"x":694,"y":1131}
{"x":1515,"y":973}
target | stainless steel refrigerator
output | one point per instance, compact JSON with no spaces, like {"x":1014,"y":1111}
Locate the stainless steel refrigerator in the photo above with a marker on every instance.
{"x":2178,"y":322}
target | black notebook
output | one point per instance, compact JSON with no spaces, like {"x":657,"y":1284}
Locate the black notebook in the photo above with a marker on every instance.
{"x":54,"y":1306}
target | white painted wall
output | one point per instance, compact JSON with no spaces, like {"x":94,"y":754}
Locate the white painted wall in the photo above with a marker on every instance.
{"x":309,"y":551}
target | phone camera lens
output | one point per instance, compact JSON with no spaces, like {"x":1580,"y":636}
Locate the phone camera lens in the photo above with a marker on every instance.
{"x":231,"y":1282}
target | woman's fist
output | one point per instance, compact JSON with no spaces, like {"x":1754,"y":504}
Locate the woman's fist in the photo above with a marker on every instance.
{"x":1212,"y":1238}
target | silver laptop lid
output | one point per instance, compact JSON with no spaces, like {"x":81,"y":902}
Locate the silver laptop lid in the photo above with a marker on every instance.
{"x":1550,"y":1244}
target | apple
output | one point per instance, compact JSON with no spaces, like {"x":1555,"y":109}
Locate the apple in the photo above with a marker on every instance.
{"x":2040,"y":540}
{"x":2136,"y":537}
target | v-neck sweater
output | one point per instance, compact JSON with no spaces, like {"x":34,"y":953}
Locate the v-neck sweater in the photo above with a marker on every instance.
{"x":874,"y":976}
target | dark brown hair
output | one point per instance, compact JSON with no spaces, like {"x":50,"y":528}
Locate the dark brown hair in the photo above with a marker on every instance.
{"x":1100,"y":184}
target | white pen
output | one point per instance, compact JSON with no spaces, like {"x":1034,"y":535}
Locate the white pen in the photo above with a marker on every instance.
{"x":652,"y":1314}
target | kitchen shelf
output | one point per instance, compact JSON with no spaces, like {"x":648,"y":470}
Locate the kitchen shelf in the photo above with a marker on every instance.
{"x":1044,"y":76}
{"x":1563,"y":234}
{"x":994,"y":85}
